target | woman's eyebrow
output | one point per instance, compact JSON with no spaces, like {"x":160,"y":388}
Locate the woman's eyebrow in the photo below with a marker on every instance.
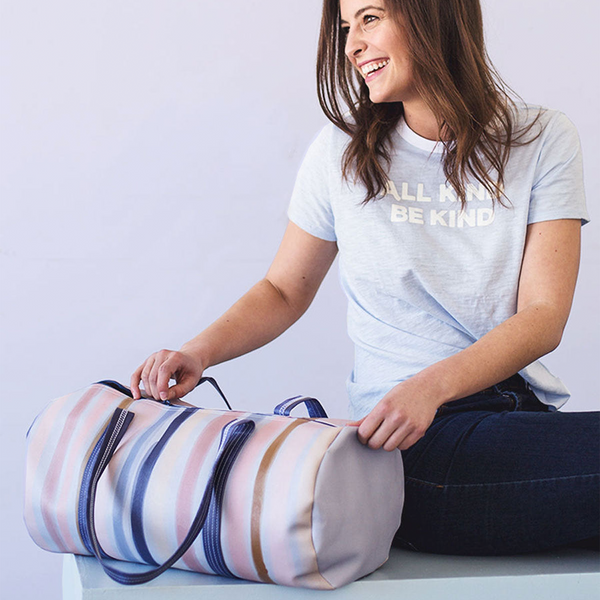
{"x":360,"y":11}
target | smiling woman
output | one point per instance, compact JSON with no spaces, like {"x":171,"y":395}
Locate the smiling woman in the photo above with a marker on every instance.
{"x":376,"y":46}
{"x":457,"y":214}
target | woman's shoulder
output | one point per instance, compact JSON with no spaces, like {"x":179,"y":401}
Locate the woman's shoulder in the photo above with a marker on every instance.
{"x":543,"y":121}
{"x":328,"y":143}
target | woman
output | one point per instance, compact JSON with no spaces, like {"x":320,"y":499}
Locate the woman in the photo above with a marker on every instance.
{"x":457,"y":215}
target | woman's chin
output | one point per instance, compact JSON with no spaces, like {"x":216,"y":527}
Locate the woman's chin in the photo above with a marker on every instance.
{"x":377,"y":97}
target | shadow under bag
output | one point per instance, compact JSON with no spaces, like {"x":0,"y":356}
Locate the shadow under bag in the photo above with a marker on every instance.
{"x":271,"y":498}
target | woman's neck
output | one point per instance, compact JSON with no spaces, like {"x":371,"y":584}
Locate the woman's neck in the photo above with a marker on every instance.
{"x":422,"y":121}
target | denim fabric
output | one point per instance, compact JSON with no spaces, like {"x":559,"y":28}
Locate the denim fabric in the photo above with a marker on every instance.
{"x":499,"y":472}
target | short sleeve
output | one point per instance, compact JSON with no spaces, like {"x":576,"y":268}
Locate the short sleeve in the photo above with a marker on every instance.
{"x":558,"y":190}
{"x":310,"y":205}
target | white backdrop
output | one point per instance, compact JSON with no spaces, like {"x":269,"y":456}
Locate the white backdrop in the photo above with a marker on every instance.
{"x":148,"y":151}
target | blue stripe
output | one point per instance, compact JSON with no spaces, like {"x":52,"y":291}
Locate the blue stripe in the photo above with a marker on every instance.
{"x":123,"y":480}
{"x":231,"y":444}
{"x":141,"y":485}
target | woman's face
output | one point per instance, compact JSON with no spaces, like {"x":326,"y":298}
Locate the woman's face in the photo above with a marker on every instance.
{"x":374,"y":40}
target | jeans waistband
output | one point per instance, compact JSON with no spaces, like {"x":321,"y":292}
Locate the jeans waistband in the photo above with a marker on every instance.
{"x":515,"y":383}
{"x":511,"y":394}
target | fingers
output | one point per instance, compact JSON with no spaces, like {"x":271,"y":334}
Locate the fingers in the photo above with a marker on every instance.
{"x":166,"y":371}
{"x":369,"y":425}
{"x":389,"y":430}
{"x":355,"y":423}
{"x":148,"y":377}
{"x":134,"y":383}
{"x":180,"y":390}
{"x":159,"y":369}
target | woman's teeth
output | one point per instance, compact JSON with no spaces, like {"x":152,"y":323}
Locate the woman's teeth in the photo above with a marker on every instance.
{"x":373,"y":66}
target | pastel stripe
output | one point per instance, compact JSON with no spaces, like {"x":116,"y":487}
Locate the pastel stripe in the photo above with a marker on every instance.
{"x":185,"y":506}
{"x":50,"y":488}
{"x":278,"y":549}
{"x":141,"y":484}
{"x":40,"y":444}
{"x":257,"y":500}
{"x":80,"y":448}
{"x":142,"y":430}
{"x":301,"y":498}
{"x":236,"y":533}
{"x":164,"y":485}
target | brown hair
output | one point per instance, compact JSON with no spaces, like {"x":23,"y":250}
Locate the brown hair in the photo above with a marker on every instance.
{"x":454,"y":76}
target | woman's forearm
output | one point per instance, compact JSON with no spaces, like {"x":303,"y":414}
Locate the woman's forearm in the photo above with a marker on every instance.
{"x":260,"y":316}
{"x":506,"y":349}
{"x":546,"y":288}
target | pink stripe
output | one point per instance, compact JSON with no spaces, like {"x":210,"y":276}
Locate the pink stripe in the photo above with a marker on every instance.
{"x":88,"y":434}
{"x":238,"y":499}
{"x":36,"y":445}
{"x":185,"y":510}
{"x":278,"y":556}
{"x":50,"y":488}
{"x":107,"y":510}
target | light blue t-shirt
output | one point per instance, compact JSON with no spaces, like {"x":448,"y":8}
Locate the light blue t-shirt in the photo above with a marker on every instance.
{"x":423,"y":279}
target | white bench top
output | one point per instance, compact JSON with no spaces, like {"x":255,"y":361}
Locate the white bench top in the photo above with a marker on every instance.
{"x":562,"y":574}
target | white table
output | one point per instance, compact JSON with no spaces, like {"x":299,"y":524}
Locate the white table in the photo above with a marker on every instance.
{"x":562,"y":574}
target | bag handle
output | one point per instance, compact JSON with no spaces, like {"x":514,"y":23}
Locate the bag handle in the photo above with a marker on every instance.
{"x":125,"y":390}
{"x":212,"y":382}
{"x":314,"y":407}
{"x":233,"y":437}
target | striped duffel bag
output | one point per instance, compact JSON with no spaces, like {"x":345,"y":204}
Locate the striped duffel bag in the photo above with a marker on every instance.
{"x":271,"y":498}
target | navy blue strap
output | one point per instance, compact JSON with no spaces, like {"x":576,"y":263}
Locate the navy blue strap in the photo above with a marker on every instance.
{"x":233,"y":438}
{"x":115,"y":385}
{"x":216,"y":386}
{"x":315,"y":410}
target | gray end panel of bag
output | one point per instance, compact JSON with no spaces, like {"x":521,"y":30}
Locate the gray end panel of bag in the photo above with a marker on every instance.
{"x":359,"y":495}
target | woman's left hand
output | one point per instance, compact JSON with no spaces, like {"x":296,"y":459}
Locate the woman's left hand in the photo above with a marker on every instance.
{"x":400,"y":419}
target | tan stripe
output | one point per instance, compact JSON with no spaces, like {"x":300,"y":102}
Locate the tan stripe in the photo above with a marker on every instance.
{"x":257,"y":499}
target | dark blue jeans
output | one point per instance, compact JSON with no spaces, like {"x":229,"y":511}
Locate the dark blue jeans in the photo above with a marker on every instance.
{"x":500,"y":473}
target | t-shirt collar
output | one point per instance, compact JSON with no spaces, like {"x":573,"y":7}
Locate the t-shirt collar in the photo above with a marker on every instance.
{"x":414,"y":139}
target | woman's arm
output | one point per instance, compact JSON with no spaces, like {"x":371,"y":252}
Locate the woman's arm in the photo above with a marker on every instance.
{"x":546,"y":287}
{"x":261,"y":315}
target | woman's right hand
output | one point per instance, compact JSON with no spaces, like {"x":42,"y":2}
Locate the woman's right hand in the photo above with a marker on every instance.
{"x":160,"y":368}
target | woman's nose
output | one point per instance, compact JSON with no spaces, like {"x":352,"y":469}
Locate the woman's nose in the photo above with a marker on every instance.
{"x":355,"y":43}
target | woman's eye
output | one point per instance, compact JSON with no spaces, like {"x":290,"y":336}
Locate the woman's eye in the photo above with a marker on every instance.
{"x":369,"y":22}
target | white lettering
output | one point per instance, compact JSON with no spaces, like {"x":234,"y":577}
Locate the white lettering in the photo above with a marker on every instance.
{"x":420,"y":194}
{"x":391,"y":189}
{"x":399,"y":213}
{"x":415,"y":215}
{"x":436,"y":217}
{"x":405,"y":194}
{"x":467,"y":217}
{"x":447,"y":193}
{"x":485,"y":216}
{"x":479,"y":192}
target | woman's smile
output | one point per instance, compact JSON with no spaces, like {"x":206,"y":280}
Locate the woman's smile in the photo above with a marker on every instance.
{"x":373,"y":68}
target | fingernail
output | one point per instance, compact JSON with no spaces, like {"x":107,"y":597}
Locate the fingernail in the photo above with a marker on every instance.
{"x":163,"y":395}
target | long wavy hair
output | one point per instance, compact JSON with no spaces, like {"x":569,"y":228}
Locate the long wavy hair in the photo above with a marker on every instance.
{"x":455,"y":77}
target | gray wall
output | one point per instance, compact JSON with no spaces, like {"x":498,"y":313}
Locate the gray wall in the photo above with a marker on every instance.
{"x":149,"y":149}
